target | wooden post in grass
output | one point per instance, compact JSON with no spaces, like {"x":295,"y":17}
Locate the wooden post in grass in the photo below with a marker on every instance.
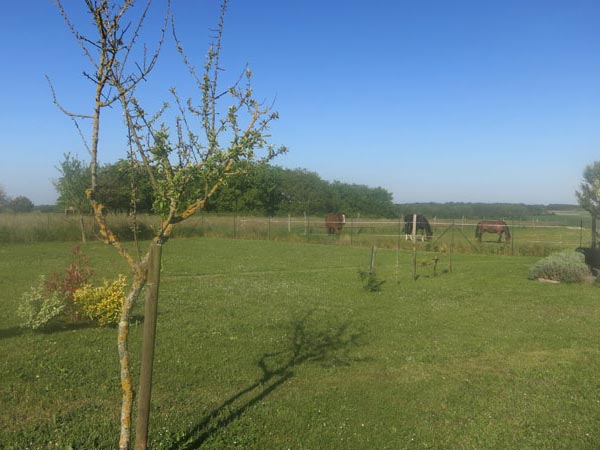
{"x":372,"y":269}
{"x":398,"y":250}
{"x":148,"y":344}
{"x":414,"y":238}
{"x":512,"y":240}
{"x":451,"y":246}
{"x":305,"y":225}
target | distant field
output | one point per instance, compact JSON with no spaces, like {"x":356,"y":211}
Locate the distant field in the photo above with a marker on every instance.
{"x":276,"y":345}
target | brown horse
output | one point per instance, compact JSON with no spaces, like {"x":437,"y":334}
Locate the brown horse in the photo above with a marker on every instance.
{"x":492,"y":226}
{"x":335,"y":222}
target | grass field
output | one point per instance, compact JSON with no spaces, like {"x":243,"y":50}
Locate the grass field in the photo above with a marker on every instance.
{"x":275,"y":345}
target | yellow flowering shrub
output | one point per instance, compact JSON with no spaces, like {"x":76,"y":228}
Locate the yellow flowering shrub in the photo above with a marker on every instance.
{"x":102,"y":304}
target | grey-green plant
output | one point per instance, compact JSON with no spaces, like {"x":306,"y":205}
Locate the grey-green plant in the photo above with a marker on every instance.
{"x":39,"y":307}
{"x":567,"y":266}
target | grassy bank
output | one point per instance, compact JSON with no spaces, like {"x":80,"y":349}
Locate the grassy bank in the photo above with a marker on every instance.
{"x":271,"y":345}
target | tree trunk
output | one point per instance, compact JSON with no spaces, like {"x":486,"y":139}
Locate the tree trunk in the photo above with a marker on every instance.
{"x":82,"y":228}
{"x":122,"y":344}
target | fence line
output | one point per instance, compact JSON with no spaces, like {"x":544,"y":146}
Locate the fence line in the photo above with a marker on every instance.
{"x":541,"y":237}
{"x":394,"y":223}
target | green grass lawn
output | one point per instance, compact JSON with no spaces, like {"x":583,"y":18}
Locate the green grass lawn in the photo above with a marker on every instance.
{"x":271,"y":345}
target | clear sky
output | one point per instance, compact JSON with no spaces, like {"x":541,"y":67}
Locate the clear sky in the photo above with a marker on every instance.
{"x":432,"y":100}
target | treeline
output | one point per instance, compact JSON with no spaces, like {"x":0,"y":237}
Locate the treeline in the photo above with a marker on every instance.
{"x":18,"y":204}
{"x":261,"y":189}
{"x":268,"y":190}
{"x":272,"y":190}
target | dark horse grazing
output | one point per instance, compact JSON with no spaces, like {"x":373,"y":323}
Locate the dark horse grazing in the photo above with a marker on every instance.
{"x":493,"y":226}
{"x":335,"y":222}
{"x":422,"y":225}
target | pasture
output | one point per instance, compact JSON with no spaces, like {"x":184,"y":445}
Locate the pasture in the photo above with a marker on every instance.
{"x":530,"y":237}
{"x":276,"y":345}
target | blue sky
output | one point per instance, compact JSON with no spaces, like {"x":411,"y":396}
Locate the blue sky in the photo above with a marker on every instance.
{"x":433,"y":100}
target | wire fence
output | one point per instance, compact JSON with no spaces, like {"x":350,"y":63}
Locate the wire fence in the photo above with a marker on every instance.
{"x":527,"y":237}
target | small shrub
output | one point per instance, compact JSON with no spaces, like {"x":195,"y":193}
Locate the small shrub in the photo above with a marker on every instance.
{"x":102,"y":304}
{"x":76,"y":275}
{"x":370,"y":280}
{"x":39,"y":308}
{"x":567,"y":266}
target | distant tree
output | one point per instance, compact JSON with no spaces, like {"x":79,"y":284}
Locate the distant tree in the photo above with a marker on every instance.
{"x":258,"y":192}
{"x":74,"y":180}
{"x":3,"y":198}
{"x":71,"y":186}
{"x":20,"y":204}
{"x":589,"y":195}
{"x":304,"y":192}
{"x":361,"y":199}
{"x":122,"y":184}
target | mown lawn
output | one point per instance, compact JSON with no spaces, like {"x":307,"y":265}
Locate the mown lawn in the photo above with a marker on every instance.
{"x":270,"y":345}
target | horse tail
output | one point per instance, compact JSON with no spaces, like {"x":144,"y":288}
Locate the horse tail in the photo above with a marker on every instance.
{"x":427,"y":226}
{"x":506,"y":232}
{"x":478,"y":231}
{"x":407,"y":224}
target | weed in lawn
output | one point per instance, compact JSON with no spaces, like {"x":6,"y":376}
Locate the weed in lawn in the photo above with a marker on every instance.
{"x":371,"y":282}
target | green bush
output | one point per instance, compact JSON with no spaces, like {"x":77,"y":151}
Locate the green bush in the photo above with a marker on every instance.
{"x":39,"y":308}
{"x":567,"y":266}
{"x":102,"y":304}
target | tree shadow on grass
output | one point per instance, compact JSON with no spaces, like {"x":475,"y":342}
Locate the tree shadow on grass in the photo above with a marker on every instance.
{"x":49,"y":329}
{"x":329,"y":347}
{"x":6,"y":333}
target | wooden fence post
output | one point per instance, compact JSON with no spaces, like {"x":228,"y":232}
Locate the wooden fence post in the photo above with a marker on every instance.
{"x":372,"y":269}
{"x":148,"y":345}
{"x":452,"y":245}
{"x":398,"y":250}
{"x":305,"y":224}
{"x":414,"y":238}
{"x":512,"y":240}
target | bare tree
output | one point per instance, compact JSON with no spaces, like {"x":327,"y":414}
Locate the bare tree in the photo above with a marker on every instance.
{"x":185,"y":167}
